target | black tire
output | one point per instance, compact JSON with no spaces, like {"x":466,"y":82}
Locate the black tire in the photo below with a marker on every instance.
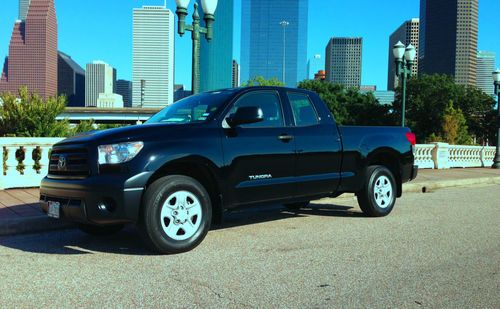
{"x":97,"y":230}
{"x":154,"y":228}
{"x":378,"y":196}
{"x":296,"y":206}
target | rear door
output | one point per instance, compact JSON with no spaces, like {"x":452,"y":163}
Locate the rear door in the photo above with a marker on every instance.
{"x":319,"y":150}
{"x":259,"y":158}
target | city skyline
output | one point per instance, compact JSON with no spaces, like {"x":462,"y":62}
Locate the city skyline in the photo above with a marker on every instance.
{"x":334,"y":16}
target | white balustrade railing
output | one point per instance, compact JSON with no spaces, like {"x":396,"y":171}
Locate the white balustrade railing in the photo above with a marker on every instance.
{"x":423,"y":155}
{"x":25,"y":160}
{"x":445,"y":156}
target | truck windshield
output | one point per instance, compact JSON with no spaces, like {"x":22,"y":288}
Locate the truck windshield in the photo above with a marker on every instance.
{"x":196,"y":108}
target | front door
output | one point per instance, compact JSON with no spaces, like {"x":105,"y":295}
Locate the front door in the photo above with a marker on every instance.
{"x":259,"y":157}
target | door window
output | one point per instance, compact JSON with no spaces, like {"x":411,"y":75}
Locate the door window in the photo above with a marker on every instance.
{"x":268,"y":101}
{"x":303,"y":109}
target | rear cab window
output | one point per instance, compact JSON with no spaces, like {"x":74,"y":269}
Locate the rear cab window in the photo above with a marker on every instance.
{"x":303,"y":110}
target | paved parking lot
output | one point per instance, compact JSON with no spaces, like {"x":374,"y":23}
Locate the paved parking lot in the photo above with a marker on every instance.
{"x":440,"y":249}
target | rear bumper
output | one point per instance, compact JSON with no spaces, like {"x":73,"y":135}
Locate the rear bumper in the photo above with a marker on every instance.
{"x":99,"y":200}
{"x":414,"y":172}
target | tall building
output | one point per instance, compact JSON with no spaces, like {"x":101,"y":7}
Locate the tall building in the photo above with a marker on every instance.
{"x":448,"y":39}
{"x":23,"y":9}
{"x":153,"y":56}
{"x":32,"y":60}
{"x":235,"y":75}
{"x":99,"y":78}
{"x":343,"y":61}
{"x":124,"y":88}
{"x":262,"y":48}
{"x":216,"y":56}
{"x":485,"y":66}
{"x":407,"y":33}
{"x":70,"y":80}
{"x":314,"y":65}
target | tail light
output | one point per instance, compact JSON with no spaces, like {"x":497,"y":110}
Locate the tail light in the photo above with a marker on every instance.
{"x":411,"y":138}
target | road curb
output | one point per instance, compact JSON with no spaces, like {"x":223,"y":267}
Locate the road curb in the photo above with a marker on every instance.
{"x":31,"y":225}
{"x":432,"y":185}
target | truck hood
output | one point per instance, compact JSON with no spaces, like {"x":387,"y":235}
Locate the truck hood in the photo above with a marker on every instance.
{"x":123,"y":134}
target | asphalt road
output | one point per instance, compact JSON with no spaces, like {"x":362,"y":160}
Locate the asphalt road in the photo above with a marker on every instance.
{"x":439,"y":249}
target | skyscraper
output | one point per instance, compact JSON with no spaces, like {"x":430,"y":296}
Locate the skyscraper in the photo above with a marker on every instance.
{"x":216,"y":56}
{"x":314,"y":65}
{"x":235,"y":75}
{"x":23,"y":9}
{"x":99,"y":78}
{"x":32,"y":59}
{"x":265,"y":43}
{"x":343,"y":61}
{"x":124,"y":88}
{"x":448,"y":38}
{"x":485,"y":66}
{"x":407,"y":33}
{"x":153,"y":56}
{"x":70,"y":80}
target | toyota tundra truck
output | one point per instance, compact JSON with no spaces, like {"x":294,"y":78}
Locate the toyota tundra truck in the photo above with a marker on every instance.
{"x":177,"y":174}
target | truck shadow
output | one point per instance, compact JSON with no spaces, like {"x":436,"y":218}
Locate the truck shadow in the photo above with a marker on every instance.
{"x":129,"y":242}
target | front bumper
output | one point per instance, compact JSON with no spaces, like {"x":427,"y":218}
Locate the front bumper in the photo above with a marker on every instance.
{"x":100,"y":200}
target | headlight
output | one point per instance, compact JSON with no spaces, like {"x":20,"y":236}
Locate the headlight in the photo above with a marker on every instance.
{"x":118,"y":153}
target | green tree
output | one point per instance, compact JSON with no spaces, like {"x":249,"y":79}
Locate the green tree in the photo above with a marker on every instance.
{"x":349,"y":106}
{"x":28,"y":115}
{"x":261,"y":81}
{"x":84,"y":126}
{"x":428,"y":98}
{"x":454,"y":127}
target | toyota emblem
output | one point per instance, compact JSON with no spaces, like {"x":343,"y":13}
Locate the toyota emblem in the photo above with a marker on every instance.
{"x":61,"y":163}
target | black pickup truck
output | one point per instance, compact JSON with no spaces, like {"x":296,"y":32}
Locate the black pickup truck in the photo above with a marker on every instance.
{"x":176,"y":174}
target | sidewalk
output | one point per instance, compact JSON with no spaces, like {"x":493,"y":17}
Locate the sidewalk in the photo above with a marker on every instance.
{"x":20,"y":213}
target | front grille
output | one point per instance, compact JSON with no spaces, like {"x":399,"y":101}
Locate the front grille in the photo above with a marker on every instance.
{"x":69,"y":163}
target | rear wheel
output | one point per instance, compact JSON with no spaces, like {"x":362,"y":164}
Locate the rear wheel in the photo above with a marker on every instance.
{"x":97,"y":230}
{"x":176,"y":214}
{"x":378,"y":196}
{"x":296,"y":206}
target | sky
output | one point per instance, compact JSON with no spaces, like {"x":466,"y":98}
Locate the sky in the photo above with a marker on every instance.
{"x":102,"y":30}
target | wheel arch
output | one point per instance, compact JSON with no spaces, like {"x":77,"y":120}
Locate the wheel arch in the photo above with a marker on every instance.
{"x":201,"y":169}
{"x":388,"y":158}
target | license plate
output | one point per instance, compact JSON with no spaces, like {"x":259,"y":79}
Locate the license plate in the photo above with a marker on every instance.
{"x":54,"y":208}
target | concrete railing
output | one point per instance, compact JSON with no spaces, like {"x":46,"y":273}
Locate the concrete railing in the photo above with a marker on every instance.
{"x":444,"y":156}
{"x":25,"y":161}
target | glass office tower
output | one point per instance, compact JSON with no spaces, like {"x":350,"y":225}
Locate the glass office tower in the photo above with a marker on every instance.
{"x":262,"y":39}
{"x":216,"y":56}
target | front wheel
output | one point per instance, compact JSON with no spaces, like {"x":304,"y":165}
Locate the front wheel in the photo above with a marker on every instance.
{"x":378,"y":196}
{"x":176,"y":214}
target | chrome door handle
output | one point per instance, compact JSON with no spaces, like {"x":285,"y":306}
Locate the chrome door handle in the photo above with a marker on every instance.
{"x":285,"y":137}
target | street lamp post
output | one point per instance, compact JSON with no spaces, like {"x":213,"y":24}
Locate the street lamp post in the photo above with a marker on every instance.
{"x":196,"y":30}
{"x":496,"y":81}
{"x":284,"y":24}
{"x":404,"y":58}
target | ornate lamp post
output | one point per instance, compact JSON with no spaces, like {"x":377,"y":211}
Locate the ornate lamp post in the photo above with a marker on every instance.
{"x":496,"y":81}
{"x":404,"y":61}
{"x":196,"y":30}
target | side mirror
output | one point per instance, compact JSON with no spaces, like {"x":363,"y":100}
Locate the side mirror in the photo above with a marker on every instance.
{"x":245,"y":115}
